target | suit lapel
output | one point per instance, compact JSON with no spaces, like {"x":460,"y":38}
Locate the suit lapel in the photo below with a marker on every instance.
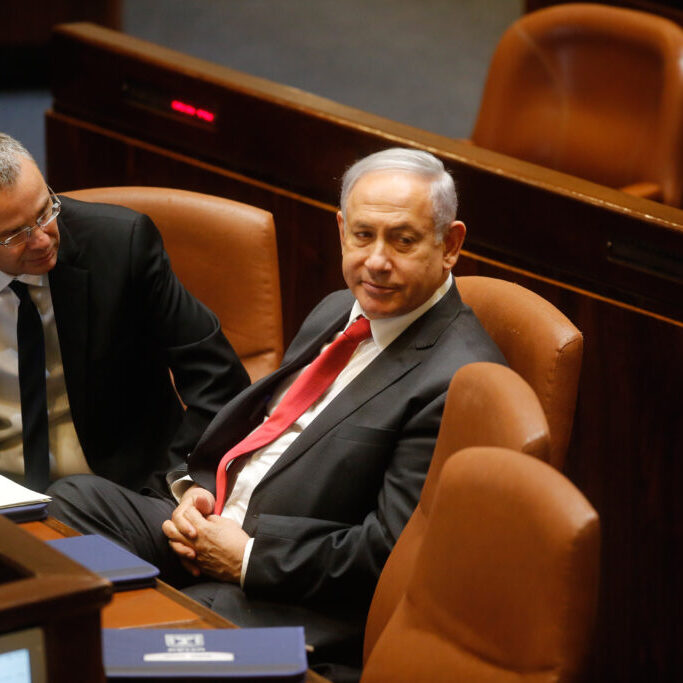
{"x":386,"y":369}
{"x":69,"y":292}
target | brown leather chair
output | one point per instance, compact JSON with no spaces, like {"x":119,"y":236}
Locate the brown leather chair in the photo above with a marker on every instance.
{"x":539,"y":342}
{"x":225,"y":253}
{"x":594,"y":91}
{"x":487,"y":405}
{"x":505,"y":585}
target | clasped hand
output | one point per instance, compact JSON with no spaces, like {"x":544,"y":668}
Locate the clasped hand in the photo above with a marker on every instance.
{"x":204,"y":542}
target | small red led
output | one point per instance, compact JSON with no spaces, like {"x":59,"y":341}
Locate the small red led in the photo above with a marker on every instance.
{"x":190,"y":110}
{"x":205,"y":115}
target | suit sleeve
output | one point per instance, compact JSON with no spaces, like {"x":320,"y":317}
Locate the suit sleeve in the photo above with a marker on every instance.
{"x":206,"y":370}
{"x":314,"y":560}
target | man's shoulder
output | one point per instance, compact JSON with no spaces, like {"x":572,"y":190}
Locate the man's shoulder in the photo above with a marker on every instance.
{"x":90,"y":228}
{"x":448,"y":336}
{"x":83,"y":213}
{"x":330,"y":312}
{"x":463,"y":340}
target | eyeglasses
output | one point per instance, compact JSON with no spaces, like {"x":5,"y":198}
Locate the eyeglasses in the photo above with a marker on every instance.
{"x":22,"y":235}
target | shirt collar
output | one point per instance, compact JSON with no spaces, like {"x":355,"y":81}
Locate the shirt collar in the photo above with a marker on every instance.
{"x":37,"y":280}
{"x":385,"y":330}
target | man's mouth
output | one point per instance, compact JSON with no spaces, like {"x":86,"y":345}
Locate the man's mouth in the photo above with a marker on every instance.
{"x":41,"y":259}
{"x":375,"y":288}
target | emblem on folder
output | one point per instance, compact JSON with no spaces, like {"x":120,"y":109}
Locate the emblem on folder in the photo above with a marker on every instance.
{"x":183,"y":640}
{"x":187,"y":647}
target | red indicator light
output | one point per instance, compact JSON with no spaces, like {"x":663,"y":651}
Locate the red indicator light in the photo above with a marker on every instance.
{"x":190,"y":110}
{"x":206,"y":115}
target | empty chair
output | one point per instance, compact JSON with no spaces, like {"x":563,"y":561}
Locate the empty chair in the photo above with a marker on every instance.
{"x":225,"y":253}
{"x":505,"y":584}
{"x":487,"y":405}
{"x":539,"y":342}
{"x":591,"y":90}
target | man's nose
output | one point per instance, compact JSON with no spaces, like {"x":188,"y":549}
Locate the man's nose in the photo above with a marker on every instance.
{"x":378,"y":258}
{"x":38,"y":238}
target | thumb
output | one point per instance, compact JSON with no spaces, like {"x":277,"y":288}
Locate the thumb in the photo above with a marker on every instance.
{"x":204,"y":503}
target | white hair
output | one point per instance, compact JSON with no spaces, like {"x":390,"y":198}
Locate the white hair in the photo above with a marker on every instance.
{"x":11,"y":152}
{"x":426,"y":165}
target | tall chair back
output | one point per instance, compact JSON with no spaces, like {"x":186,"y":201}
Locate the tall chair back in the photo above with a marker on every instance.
{"x":539,"y":342}
{"x":505,"y":585}
{"x":225,"y":253}
{"x":486,"y":405}
{"x":591,"y":90}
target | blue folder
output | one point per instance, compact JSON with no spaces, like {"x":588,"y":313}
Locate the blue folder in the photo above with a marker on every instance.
{"x":242,"y":655}
{"x":102,"y":556}
{"x":25,"y":513}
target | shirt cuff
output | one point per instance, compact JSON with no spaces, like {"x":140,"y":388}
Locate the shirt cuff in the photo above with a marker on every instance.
{"x":179,"y":486}
{"x":245,"y":560}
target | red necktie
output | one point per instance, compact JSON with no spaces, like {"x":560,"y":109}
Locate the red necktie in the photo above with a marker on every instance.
{"x":308,"y":387}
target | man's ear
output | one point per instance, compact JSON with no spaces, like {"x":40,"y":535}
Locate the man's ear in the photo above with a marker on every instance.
{"x":452,"y":243}
{"x":340,"y":224}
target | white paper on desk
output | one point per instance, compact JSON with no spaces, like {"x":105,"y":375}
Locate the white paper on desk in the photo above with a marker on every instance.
{"x":13,"y":494}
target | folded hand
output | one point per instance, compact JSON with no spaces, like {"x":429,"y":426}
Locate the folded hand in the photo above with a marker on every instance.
{"x":203,"y":541}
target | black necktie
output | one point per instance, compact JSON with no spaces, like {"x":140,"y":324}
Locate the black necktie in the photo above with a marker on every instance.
{"x":33,"y":390}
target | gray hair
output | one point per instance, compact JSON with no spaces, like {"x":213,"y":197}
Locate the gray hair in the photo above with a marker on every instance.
{"x":424,"y":164}
{"x":11,"y":151}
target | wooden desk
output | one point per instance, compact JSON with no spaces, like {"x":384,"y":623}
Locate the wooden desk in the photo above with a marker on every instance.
{"x":159,"y":607}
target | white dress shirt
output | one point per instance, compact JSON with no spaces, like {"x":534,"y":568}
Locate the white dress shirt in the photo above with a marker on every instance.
{"x":66,"y":455}
{"x":252,"y":468}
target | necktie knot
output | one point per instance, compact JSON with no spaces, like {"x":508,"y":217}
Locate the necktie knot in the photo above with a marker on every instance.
{"x":358,"y":330}
{"x":19,"y":288}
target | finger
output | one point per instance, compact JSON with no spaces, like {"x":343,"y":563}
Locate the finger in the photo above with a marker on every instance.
{"x":183,"y":551}
{"x":195,"y":519}
{"x":182,"y":522}
{"x":169,"y":528}
{"x":204,"y":503}
{"x":172,"y":533}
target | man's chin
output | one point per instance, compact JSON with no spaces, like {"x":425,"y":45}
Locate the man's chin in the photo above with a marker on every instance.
{"x":41,"y":266}
{"x":376,"y":310}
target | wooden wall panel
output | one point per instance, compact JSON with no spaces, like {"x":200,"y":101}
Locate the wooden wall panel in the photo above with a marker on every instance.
{"x":308,"y":244}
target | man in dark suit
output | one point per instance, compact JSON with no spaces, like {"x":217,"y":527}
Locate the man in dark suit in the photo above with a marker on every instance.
{"x":312,"y":515}
{"x":115,"y":319}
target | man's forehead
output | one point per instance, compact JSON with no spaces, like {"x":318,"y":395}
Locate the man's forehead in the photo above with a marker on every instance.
{"x":391,"y":191}
{"x":396,"y":179}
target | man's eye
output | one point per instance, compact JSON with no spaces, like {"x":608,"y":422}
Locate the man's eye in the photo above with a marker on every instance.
{"x":10,"y":233}
{"x":404,"y":241}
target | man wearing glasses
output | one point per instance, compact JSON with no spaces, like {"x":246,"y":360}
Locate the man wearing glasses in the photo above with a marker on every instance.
{"x":114,"y":319}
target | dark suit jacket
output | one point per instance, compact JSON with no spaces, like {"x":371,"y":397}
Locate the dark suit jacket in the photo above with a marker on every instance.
{"x":327,"y":514}
{"x":123,"y":320}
